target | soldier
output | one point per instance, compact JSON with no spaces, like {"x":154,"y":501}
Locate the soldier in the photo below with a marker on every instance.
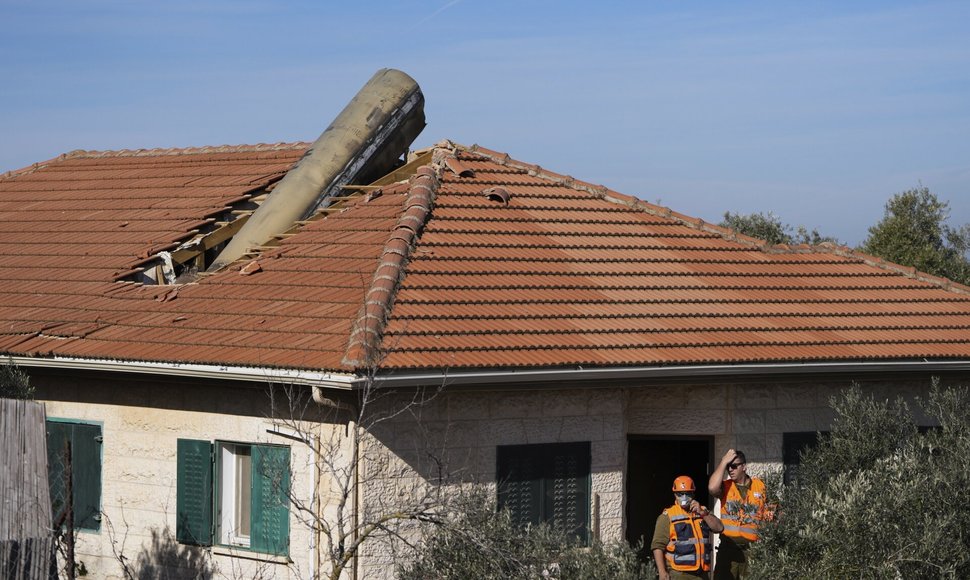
{"x":682,"y":537}
{"x":742,"y":509}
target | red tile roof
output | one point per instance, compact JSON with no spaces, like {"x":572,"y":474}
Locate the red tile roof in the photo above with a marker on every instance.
{"x":574,"y":274}
{"x":476,"y":261}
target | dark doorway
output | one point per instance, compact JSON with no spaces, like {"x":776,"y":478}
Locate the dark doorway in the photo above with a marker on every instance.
{"x":653,"y":463}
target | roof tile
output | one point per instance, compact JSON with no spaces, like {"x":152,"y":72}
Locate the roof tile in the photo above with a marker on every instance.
{"x":566,"y":273}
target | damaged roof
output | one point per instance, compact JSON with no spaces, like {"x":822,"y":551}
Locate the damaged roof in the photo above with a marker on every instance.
{"x":470,"y":260}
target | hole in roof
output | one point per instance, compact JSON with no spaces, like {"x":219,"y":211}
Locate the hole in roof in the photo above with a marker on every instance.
{"x":199,"y":248}
{"x":498,"y":195}
{"x":186,"y":262}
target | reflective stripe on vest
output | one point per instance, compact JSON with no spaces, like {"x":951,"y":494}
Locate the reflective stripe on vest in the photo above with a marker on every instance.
{"x":689,"y":547}
{"x":741,"y":515}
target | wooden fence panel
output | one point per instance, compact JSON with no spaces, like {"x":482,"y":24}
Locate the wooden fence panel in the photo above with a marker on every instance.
{"x":26,"y":538}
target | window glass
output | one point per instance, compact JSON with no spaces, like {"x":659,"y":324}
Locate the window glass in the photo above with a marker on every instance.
{"x":793,"y":445}
{"x":244,"y":488}
{"x":235,"y":494}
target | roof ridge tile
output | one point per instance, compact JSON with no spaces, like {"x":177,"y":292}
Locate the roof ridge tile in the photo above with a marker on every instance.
{"x":155,"y":152}
{"x":206,"y":149}
{"x":363,"y":349}
{"x":32,"y":167}
{"x":908,"y":271}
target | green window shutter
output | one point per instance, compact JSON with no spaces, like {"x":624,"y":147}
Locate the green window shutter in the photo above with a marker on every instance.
{"x":193,"y":496}
{"x":85,"y":440}
{"x":519,"y":474}
{"x":546,"y":483}
{"x":58,"y":435}
{"x":270,"y":531}
{"x":86,"y":465}
{"x":567,"y":488}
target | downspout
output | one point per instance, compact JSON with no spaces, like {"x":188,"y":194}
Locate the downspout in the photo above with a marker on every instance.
{"x":364,"y":142}
{"x":317,"y":510}
{"x":356,"y":496}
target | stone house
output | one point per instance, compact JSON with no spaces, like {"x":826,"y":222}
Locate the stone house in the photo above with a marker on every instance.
{"x":569,"y":347}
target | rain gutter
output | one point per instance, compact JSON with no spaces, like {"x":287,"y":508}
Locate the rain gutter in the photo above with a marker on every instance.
{"x":497,"y":377}
{"x":318,"y":379}
{"x":327,"y":381}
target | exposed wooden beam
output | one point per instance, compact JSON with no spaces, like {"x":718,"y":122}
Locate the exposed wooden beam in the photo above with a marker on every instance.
{"x":210,"y":240}
{"x":405,"y":171}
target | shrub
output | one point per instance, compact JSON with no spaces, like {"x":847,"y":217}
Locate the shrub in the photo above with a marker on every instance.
{"x":14,"y":383}
{"x":476,"y":541}
{"x":877,"y":498}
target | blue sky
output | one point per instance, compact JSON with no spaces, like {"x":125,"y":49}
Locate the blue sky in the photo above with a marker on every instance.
{"x":816,"y":111}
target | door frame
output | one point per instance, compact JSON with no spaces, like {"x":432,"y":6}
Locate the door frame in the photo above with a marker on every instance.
{"x":628,"y":491}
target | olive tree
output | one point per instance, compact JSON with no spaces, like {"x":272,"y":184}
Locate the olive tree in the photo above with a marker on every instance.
{"x":914,"y":232}
{"x":770,"y":228}
{"x":877,"y":497}
{"x":475,"y":540}
{"x":14,"y":382}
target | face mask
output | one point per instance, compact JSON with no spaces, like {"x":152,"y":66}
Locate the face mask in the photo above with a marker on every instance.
{"x":683,"y":499}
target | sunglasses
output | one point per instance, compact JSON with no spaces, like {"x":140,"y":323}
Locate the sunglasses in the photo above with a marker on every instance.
{"x":734,"y":465}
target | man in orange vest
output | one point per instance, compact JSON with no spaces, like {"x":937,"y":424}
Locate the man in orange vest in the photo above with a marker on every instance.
{"x":742,"y":510}
{"x":682,"y":537}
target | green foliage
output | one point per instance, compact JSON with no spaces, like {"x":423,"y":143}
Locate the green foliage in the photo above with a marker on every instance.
{"x":475,"y":541}
{"x":813,"y":238}
{"x":14,"y":383}
{"x":914,"y":232}
{"x":769,"y":227}
{"x":877,"y":498}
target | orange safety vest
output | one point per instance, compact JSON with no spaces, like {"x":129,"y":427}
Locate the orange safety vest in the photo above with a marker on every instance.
{"x":741,"y":515}
{"x":689,"y":548}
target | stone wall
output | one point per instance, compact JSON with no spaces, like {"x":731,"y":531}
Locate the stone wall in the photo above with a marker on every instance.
{"x":463,"y":429}
{"x":141,"y":423}
{"x":752,"y":416}
{"x":453,"y":436}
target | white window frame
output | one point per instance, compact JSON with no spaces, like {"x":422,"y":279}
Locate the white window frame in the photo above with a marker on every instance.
{"x":231,"y":499}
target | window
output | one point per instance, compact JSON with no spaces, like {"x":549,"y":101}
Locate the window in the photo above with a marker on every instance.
{"x":233,"y":494}
{"x":78,"y":470}
{"x":546,"y":483}
{"x":793,"y":445}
